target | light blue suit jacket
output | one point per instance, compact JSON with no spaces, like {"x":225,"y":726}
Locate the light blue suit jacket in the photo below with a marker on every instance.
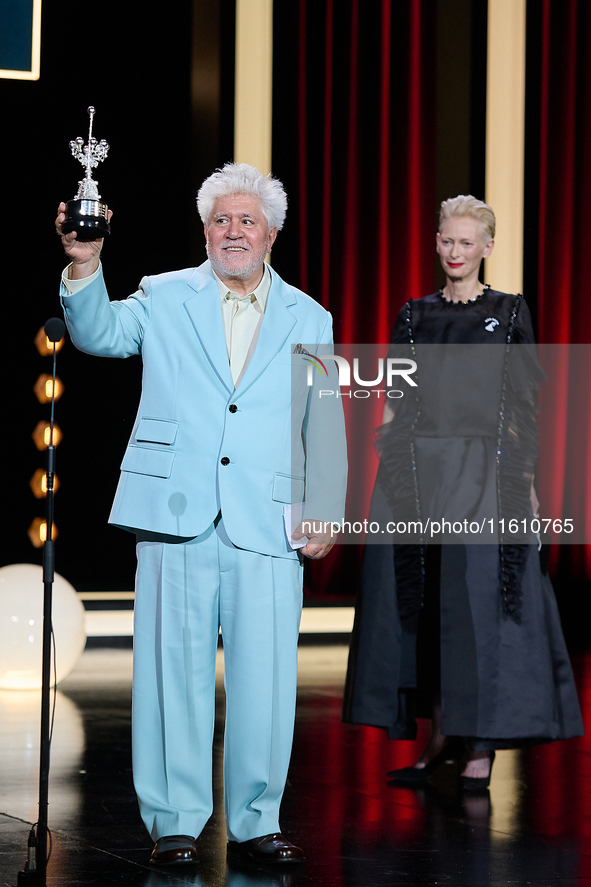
{"x":198,"y":444}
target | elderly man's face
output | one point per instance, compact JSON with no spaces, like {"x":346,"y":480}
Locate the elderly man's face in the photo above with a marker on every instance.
{"x":237,"y":237}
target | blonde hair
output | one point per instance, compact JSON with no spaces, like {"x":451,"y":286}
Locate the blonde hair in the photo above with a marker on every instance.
{"x":466,"y":205}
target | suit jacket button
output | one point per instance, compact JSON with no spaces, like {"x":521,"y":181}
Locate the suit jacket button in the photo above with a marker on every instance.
{"x":225,"y":461}
{"x":233,"y":408}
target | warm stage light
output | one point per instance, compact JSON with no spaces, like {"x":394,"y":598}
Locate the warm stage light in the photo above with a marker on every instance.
{"x":38,"y":484}
{"x":40,"y":435}
{"x":37,"y":532}
{"x":43,"y":387}
{"x":44,"y":346}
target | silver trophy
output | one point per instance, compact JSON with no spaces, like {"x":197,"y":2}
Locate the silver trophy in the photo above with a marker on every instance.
{"x":85,"y":214}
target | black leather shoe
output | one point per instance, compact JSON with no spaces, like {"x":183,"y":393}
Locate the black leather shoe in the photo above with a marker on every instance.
{"x":451,"y":751}
{"x":409,"y":775}
{"x":174,"y":850}
{"x":268,"y":849}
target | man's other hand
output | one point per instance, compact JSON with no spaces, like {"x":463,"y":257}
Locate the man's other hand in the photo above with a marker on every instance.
{"x":321,"y":537}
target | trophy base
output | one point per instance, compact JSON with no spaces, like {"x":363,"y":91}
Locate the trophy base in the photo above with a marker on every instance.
{"x":88,"y":218}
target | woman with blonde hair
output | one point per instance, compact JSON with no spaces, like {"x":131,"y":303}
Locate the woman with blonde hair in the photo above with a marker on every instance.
{"x":464,"y":632}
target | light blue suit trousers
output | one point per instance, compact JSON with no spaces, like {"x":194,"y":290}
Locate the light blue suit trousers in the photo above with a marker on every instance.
{"x":184,"y":592}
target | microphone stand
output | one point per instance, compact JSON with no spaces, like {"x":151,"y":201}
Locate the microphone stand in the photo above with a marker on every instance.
{"x":35,"y":872}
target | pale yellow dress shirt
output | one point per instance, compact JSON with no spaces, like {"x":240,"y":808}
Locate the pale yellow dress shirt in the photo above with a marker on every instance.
{"x":242,"y":318}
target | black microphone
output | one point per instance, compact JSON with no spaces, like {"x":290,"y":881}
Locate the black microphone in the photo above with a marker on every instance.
{"x":54,"y":329}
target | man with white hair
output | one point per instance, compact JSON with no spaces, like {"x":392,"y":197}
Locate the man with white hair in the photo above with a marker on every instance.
{"x":228,"y":436}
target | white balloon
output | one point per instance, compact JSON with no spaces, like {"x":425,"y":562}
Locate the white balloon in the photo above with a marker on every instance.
{"x":21,"y":626}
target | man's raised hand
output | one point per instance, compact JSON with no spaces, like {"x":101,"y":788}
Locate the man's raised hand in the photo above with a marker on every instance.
{"x":84,"y":255}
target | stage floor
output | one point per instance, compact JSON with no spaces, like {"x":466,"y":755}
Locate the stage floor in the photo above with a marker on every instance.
{"x":534,"y":827}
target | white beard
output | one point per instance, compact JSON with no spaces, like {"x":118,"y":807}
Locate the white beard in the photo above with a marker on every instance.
{"x":229,"y":270}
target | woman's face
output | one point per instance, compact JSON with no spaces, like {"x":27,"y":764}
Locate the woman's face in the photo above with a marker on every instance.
{"x":461,"y":246}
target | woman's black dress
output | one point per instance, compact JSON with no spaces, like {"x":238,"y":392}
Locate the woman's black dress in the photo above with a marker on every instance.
{"x":477,"y":623}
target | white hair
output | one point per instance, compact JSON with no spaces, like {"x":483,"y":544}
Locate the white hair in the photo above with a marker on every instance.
{"x":242,"y":178}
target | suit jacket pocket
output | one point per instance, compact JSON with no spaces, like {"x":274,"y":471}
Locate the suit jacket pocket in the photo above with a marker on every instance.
{"x":141,"y":460}
{"x":162,"y":431}
{"x":287,"y":488}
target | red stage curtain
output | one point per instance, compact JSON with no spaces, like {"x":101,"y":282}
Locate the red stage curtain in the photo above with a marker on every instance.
{"x":354,"y":143}
{"x":563,"y":70}
{"x":354,"y":139}
{"x":564,"y":308}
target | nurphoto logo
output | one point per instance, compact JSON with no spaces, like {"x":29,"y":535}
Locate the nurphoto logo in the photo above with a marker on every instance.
{"x":388,"y":370}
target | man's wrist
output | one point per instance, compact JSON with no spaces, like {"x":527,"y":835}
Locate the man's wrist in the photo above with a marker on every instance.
{"x":78,"y":271}
{"x":74,"y":284}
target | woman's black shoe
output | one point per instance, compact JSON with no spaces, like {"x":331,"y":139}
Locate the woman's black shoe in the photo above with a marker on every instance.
{"x":477,"y":783}
{"x":450,"y":753}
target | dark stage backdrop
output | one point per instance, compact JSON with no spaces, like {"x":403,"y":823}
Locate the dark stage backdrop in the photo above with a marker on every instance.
{"x":359,"y":89}
{"x":558,"y":243}
{"x":354,"y":98}
{"x":133,"y":63}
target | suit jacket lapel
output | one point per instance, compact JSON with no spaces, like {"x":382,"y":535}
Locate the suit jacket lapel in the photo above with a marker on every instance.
{"x":277,"y":324}
{"x":205,"y":311}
